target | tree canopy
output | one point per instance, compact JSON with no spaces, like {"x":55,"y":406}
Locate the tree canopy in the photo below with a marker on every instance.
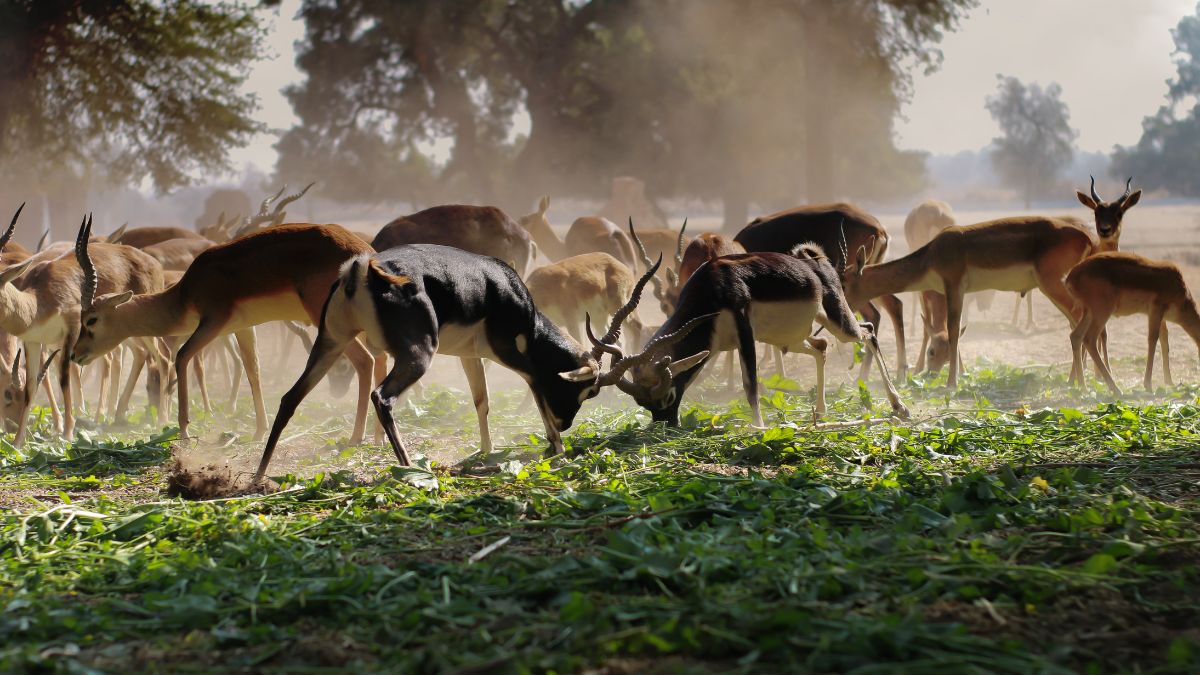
{"x":133,"y":89}
{"x":756,"y":101}
{"x":1168,"y":153}
{"x":1037,"y":141}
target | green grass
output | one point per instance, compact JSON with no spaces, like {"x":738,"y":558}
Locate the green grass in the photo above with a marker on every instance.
{"x":998,"y":531}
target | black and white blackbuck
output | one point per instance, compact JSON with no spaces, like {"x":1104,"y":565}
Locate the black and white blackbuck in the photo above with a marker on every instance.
{"x":766,"y":297}
{"x":417,"y":300}
{"x":840,"y":230}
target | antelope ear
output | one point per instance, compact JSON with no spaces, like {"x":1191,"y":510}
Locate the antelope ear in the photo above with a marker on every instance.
{"x":676,"y":368}
{"x":861,"y":260}
{"x":9,"y":275}
{"x":544,"y":205}
{"x":582,"y":374}
{"x":1131,"y":200}
{"x":1087,"y":201}
{"x":114,"y":300}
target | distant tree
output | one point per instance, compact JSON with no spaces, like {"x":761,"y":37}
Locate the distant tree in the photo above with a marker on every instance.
{"x":122,"y":91}
{"x":1038,"y":141}
{"x":739,"y":101}
{"x":1168,"y":153}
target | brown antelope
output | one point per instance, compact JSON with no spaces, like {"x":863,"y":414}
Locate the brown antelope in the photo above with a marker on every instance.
{"x":766,"y":297}
{"x":178,"y":254}
{"x":1009,"y":254}
{"x":1120,"y":284}
{"x":838,"y":229}
{"x":18,"y":397}
{"x":141,"y":237}
{"x":595,"y":284}
{"x":39,"y":303}
{"x":483,"y":230}
{"x":588,"y":234}
{"x":280,"y":273}
{"x":415,"y":301}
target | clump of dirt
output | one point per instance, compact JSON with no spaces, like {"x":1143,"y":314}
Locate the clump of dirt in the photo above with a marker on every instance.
{"x":210,"y":481}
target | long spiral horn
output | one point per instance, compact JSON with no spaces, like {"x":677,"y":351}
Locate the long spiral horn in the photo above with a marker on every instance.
{"x":12,"y":227}
{"x":87,"y":292}
{"x":614,"y":326}
{"x":659,"y":291}
{"x":652,"y":349}
{"x":1095,"y":197}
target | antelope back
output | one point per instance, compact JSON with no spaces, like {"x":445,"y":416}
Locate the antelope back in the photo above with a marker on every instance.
{"x":839,"y":229}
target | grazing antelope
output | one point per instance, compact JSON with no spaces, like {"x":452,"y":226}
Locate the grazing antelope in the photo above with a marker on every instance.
{"x":766,"y":297}
{"x":595,"y":284}
{"x":588,"y":234}
{"x":281,"y":273}
{"x":18,"y":397}
{"x":838,"y":229}
{"x":1120,"y":284}
{"x":39,"y":303}
{"x":483,"y":230}
{"x":415,"y":301}
{"x":1009,"y":254}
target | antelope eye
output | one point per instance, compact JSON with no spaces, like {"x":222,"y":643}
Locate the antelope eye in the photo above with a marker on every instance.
{"x":92,"y":321}
{"x":8,"y":396}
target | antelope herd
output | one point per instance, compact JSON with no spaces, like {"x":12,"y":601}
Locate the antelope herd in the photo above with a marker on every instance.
{"x":461,"y":281}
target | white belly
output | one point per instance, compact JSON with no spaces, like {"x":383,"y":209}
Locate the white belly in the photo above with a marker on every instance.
{"x":784,"y":324}
{"x":50,"y":332}
{"x":263,"y":309}
{"x":464,"y":341}
{"x":1008,"y":279}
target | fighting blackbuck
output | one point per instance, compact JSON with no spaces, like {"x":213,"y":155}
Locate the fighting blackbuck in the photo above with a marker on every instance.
{"x":39,"y":303}
{"x":587,"y":234}
{"x":281,"y":273}
{"x":483,"y":230}
{"x":1009,"y":254}
{"x":839,"y":230}
{"x":419,"y":300}
{"x":1120,"y":284}
{"x":594,"y":284}
{"x":767,"y":297}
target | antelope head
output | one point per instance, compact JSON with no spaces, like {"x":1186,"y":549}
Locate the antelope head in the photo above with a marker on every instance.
{"x":653,"y":354}
{"x":16,"y":395}
{"x":96,"y":336}
{"x":537,"y":224}
{"x":1109,"y":214}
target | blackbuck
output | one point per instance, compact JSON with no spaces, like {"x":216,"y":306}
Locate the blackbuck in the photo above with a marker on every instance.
{"x":765,"y":297}
{"x":1109,"y":214}
{"x":39,"y":303}
{"x":839,"y":230}
{"x":1010,"y":254}
{"x":281,"y":273}
{"x":483,"y":230}
{"x":587,"y":234}
{"x":419,"y":300}
{"x":1120,"y":284}
{"x":594,"y":284}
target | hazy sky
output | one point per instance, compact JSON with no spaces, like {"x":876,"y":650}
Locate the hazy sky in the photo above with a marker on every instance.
{"x":1112,"y":58}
